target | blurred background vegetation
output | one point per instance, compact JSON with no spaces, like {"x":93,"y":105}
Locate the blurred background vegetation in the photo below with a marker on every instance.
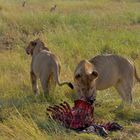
{"x":75,"y":30}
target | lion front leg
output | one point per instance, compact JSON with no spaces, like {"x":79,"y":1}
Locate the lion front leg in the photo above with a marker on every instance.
{"x":34,"y":83}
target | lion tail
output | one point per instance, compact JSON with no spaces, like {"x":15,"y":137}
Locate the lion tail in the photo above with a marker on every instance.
{"x":56,"y":77}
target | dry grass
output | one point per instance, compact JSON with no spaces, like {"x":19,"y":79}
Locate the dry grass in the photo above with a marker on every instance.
{"x":76,"y":30}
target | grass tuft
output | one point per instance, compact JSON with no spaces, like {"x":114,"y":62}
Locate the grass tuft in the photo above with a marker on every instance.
{"x":77,"y":30}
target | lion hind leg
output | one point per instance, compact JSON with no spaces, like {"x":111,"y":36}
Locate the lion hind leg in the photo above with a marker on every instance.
{"x":125,"y":91}
{"x":45,"y":83}
{"x":34,"y":82}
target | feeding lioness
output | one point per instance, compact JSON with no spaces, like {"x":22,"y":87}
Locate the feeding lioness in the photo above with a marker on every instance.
{"x":44,"y":66}
{"x":102,"y":72}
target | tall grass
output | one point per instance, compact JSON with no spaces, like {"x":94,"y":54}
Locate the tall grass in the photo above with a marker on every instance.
{"x":76,"y":30}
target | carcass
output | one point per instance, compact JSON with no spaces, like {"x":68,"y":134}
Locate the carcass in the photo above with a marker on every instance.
{"x":80,"y":118}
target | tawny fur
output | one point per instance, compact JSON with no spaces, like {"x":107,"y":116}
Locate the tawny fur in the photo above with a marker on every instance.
{"x":102,"y":72}
{"x":44,"y":66}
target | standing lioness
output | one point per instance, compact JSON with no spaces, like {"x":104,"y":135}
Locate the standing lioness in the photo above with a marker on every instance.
{"x":102,"y":72}
{"x":44,"y":65}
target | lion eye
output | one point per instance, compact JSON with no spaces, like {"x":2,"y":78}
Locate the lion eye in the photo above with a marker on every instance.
{"x":77,"y":76}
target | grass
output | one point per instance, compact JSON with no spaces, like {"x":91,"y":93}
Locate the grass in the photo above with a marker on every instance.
{"x":76,"y":30}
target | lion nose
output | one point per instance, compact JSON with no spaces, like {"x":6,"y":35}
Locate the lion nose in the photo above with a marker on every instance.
{"x":91,"y":100}
{"x":27,"y":51}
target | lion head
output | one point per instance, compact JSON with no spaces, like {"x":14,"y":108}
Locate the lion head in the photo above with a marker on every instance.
{"x":85,"y":77}
{"x":36,"y":45}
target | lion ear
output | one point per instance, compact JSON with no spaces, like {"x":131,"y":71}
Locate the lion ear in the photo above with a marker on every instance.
{"x":33,"y":43}
{"x":94,"y":75}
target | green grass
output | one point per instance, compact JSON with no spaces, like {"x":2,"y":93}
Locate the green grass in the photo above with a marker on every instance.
{"x":78,"y":29}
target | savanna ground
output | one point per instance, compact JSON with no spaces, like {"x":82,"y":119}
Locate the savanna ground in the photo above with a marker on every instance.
{"x":78,"y":29}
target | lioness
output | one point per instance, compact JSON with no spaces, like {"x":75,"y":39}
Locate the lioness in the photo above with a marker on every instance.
{"x":102,"y":72}
{"x":44,"y":65}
